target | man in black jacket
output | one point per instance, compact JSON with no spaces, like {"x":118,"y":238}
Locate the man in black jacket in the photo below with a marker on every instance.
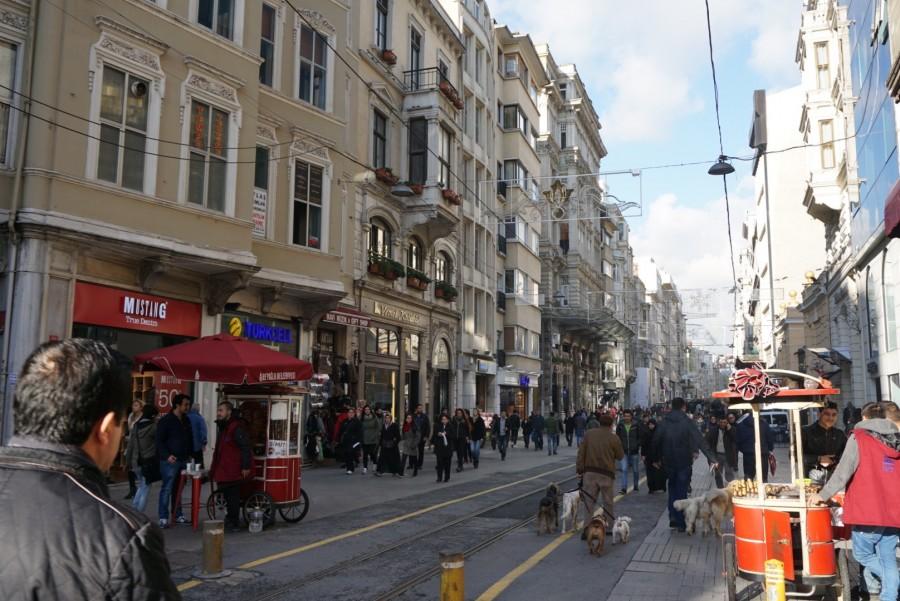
{"x":350,"y":437}
{"x":630,"y":435}
{"x":721,"y":439}
{"x":823,"y":442}
{"x":174,"y":445}
{"x":70,"y":406}
{"x":423,"y":425}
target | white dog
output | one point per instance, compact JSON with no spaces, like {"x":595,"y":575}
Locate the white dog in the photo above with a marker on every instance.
{"x":571,"y":505}
{"x":621,"y":529}
{"x":694,"y":509}
{"x":709,"y":510}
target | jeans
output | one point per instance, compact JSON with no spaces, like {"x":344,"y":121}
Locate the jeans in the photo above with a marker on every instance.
{"x":141,"y":493}
{"x":501,"y":444}
{"x":475,"y":451}
{"x":631,"y":462}
{"x":579,"y":437}
{"x":569,"y":438}
{"x":170,"y":473}
{"x":421,"y":457}
{"x":724,"y":468}
{"x":874,"y":548}
{"x":552,"y":443}
{"x":370,"y":451}
{"x":514,"y":435}
{"x":679,"y":481}
{"x":538,"y":439}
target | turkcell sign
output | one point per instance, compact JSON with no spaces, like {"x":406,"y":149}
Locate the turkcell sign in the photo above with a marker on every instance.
{"x":266,"y":333}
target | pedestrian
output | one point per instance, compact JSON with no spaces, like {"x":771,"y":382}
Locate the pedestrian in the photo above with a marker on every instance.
{"x":468,"y":450}
{"x":570,"y":428}
{"x":823,"y":442}
{"x":848,"y":415}
{"x":476,"y":438}
{"x":870,"y":471}
{"x":656,"y":477}
{"x":514,"y":423}
{"x":721,"y":439}
{"x":537,"y":430}
{"x":630,"y":435}
{"x":746,"y":444}
{"x":313,"y":435}
{"x":500,"y":433}
{"x":409,"y":445}
{"x":371,"y":433}
{"x":71,"y":404}
{"x":232,"y":462}
{"x":199,"y":434}
{"x":675,"y":442}
{"x":389,"y":442}
{"x":580,"y":427}
{"x":459,"y":435}
{"x":593,"y":421}
{"x":174,"y":444}
{"x":350,"y":439}
{"x":527,"y":426}
{"x":141,"y":456}
{"x":442,"y":442}
{"x":552,"y":427}
{"x":423,"y":425}
{"x":137,"y":408}
{"x":596,"y":465}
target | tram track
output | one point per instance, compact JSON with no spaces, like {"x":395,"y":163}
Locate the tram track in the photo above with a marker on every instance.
{"x":422,"y":576}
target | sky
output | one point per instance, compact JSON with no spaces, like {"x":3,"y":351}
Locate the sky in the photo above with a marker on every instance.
{"x":647,"y":69}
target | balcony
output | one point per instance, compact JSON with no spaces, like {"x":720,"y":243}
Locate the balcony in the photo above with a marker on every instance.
{"x":501,"y":301}
{"x":431,"y":79}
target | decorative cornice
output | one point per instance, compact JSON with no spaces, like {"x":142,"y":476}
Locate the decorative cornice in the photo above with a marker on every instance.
{"x":304,"y":146}
{"x":231,"y":80}
{"x":317,"y":19}
{"x":130,"y":53}
{"x":14,"y":20}
{"x":105,"y":24}
{"x":265,"y":132}
{"x":201,"y":82}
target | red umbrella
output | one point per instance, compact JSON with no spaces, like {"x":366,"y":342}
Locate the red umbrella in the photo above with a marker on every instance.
{"x":225,"y":359}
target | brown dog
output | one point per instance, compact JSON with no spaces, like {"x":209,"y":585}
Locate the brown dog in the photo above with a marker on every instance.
{"x":596,"y":532}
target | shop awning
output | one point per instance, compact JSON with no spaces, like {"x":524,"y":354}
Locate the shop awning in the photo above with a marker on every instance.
{"x":347,"y":316}
{"x":832,"y":355}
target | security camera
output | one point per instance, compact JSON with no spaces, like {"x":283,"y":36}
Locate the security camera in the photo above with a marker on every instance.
{"x":138,"y":88}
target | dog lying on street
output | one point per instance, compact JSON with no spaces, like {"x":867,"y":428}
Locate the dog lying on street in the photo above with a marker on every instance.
{"x":571,"y":506}
{"x":707,"y":511}
{"x":621,"y":529}
{"x":596,"y":532}
{"x":548,"y":510}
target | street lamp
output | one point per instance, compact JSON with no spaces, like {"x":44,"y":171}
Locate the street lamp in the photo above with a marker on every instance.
{"x":721,"y":167}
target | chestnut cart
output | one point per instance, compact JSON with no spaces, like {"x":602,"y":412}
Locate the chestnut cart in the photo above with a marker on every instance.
{"x":774,"y":521}
{"x":273,"y":418}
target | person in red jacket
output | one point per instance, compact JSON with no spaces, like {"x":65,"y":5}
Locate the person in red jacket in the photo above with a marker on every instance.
{"x":231,"y":462}
{"x":870,"y":470}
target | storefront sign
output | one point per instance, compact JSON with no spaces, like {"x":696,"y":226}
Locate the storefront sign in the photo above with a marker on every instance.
{"x":127,"y":310}
{"x":524,"y":380}
{"x":347,"y":317}
{"x":486,"y":367}
{"x":279,"y":334}
{"x":260,"y":211}
{"x":397,"y":314}
{"x":167,"y":387}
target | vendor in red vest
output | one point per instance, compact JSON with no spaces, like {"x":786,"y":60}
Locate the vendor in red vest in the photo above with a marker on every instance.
{"x":231,"y":462}
{"x":869,"y":469}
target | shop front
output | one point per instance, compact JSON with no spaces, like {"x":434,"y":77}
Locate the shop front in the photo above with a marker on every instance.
{"x":518,"y":390}
{"x":277,"y":334}
{"x":485,"y":373}
{"x":334,"y":357}
{"x":133,"y":323}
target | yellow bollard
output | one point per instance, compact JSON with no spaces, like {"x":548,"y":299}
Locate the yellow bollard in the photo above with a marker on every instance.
{"x":775,"y":580}
{"x":452,"y":576}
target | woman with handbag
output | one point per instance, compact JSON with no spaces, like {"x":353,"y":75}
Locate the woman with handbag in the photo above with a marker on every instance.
{"x":140,"y":455}
{"x":389,"y":456}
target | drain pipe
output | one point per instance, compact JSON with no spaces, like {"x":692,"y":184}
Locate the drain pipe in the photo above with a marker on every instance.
{"x":6,"y":421}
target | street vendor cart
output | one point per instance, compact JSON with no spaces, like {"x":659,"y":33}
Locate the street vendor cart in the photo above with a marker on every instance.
{"x":777,"y":535}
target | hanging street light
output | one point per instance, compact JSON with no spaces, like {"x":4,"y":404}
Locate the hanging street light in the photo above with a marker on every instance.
{"x":722,"y":167}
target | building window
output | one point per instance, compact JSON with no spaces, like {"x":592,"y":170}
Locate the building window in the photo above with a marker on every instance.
{"x":418,"y":149}
{"x":563,"y":89}
{"x":444,"y":144}
{"x":826,"y":141}
{"x":8,"y":54}
{"x":217,"y":15}
{"x":123,"y":130}
{"x":411,"y":343}
{"x":379,"y":140}
{"x":381,"y":24}
{"x":515,"y":173}
{"x":313,"y":67}
{"x":563,"y":135}
{"x":381,"y":341}
{"x":267,"y":45}
{"x":380,"y":242}
{"x":479,"y":116}
{"x":823,"y":77}
{"x":514,"y":118}
{"x":261,"y":191}
{"x":208,"y":162}
{"x":414,"y":255}
{"x":892,"y":296}
{"x":479,"y":59}
{"x":307,"y":218}
{"x":443,"y":268}
{"x":415,"y":56}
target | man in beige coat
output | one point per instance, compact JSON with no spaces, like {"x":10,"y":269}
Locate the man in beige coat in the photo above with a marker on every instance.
{"x":596,"y":464}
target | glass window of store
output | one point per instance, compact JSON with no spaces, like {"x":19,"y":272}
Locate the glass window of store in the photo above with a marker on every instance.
{"x":892,"y":296}
{"x":441,"y":364}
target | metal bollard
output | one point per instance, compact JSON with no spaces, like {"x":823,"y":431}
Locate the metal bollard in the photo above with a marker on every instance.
{"x":452,"y":576}
{"x":213,"y":542}
{"x":775,"y":580}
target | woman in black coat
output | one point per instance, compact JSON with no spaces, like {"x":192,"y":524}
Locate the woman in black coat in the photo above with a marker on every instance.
{"x":478,"y":430}
{"x":656,"y":476}
{"x":443,"y":448}
{"x":389,"y":457}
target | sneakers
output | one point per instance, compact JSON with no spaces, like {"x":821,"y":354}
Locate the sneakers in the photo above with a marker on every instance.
{"x":623,"y":492}
{"x":349,"y":472}
{"x":181,"y":520}
{"x":163,"y":524}
{"x":365,"y":471}
{"x":128,"y":497}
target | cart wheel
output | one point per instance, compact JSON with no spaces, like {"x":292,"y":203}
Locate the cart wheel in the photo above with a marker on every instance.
{"x":295,"y":513}
{"x":215,"y":504}
{"x":262,"y":501}
{"x":730,"y":567}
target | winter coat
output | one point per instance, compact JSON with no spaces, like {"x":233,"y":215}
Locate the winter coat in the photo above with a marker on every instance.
{"x":478,"y":428}
{"x":350,"y":433}
{"x":141,"y":444}
{"x":174,"y":437}
{"x":677,"y":439}
{"x":442,"y":441}
{"x":423,"y":425}
{"x":631,"y":438}
{"x":371,"y":429}
{"x":106,"y":551}
{"x":199,"y":434}
{"x":818,"y":441}
{"x":409,"y":441}
{"x":495,"y":425}
{"x":570,"y":425}
{"x":514,"y":422}
{"x":552,"y":425}
{"x":599,"y":453}
{"x":527,"y":426}
{"x":458,"y":428}
{"x":537,"y":424}
{"x":390,"y":436}
{"x":746,"y":439}
{"x":232,"y":453}
{"x":647,"y":445}
{"x":712,"y":439}
{"x":580,"y":424}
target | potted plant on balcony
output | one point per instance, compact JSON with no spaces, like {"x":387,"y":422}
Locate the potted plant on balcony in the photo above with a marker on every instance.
{"x":374,"y":263}
{"x":416,"y":188}
{"x":392,"y":269}
{"x":386,"y":176}
{"x":389,"y":56}
{"x":445,"y":88}
{"x":459,"y":104}
{"x":445,"y":291}
{"x":451,"y":196}
{"x":416,"y":279}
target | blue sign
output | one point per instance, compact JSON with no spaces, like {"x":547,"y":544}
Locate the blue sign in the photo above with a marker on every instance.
{"x":524,"y":381}
{"x":262,"y":332}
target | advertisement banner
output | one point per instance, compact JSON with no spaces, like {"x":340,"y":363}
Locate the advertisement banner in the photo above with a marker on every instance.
{"x":124,"y":309}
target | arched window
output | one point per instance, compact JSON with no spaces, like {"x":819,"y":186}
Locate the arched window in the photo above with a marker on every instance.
{"x":443,"y":268}
{"x":380,"y":238}
{"x":441,"y":356}
{"x":415,"y":254}
{"x":892,"y":296}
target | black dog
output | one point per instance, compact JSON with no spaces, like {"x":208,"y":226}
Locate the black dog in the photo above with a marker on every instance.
{"x":548,"y":510}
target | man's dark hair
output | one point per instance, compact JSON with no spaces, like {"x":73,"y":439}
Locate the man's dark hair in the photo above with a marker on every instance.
{"x":228,"y":404}
{"x":627,"y":412}
{"x":67,"y":386}
{"x":149,"y":411}
{"x":891,"y":411}
{"x":180,"y":398}
{"x":605,"y":420}
{"x":678,"y":404}
{"x":873,"y":411}
{"x":829,"y":405}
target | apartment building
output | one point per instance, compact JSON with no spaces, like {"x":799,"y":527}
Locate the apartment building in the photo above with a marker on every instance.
{"x":186,"y":169}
